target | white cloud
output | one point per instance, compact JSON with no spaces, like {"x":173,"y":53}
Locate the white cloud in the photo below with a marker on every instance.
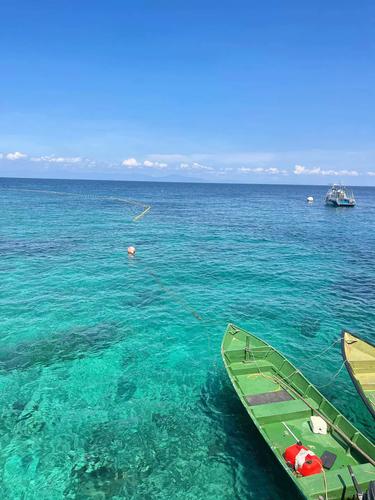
{"x":15,"y":156}
{"x":234,"y":166}
{"x":130,"y":163}
{"x":254,"y":157}
{"x":272,"y":170}
{"x":155,"y":164}
{"x":248,"y":170}
{"x":199,"y":166}
{"x":300,"y":169}
{"x":195,"y":167}
{"x":351,"y":173}
{"x":261,"y":170}
{"x":58,"y":159}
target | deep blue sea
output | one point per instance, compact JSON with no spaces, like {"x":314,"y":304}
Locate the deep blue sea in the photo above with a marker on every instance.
{"x":111,"y":380}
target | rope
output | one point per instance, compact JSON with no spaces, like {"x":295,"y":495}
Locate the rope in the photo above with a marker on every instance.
{"x":146,"y":208}
{"x":311,"y":367}
{"x":170,"y":292}
{"x":138,"y":217}
{"x":306,"y":363}
{"x":325,"y":484}
{"x":327,"y":349}
{"x":183,"y":303}
{"x":334,"y":377}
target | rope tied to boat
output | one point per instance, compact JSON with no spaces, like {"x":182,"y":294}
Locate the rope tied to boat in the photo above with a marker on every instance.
{"x":334,"y":376}
{"x":317,"y":356}
{"x":336,"y":341}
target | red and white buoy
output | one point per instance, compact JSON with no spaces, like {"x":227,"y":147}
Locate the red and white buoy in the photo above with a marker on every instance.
{"x":131,"y":250}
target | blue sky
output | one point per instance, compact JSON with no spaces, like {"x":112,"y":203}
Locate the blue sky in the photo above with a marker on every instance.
{"x":239,"y":91}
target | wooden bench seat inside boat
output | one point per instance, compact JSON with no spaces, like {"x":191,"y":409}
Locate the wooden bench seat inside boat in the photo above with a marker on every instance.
{"x":366,"y":380}
{"x":241,"y":367}
{"x":279,"y":412}
{"x":363,"y":366}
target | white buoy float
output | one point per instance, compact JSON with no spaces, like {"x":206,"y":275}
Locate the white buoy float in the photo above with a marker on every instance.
{"x":310,"y":199}
{"x":131,"y":250}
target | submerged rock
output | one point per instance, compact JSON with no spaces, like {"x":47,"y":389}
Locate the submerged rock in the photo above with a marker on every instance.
{"x":310,"y":327}
{"x":95,"y":476}
{"x":125,"y":389}
{"x":64,"y":346}
{"x":18,"y":406}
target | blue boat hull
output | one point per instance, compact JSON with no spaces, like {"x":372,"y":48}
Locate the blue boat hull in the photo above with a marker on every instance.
{"x":341,"y":203}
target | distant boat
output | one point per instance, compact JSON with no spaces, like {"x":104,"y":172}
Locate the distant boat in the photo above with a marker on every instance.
{"x":339,"y":196}
{"x":285,"y":407}
{"x":359,"y":357}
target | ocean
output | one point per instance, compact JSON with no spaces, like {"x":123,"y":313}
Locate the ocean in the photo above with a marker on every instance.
{"x":111,"y":379}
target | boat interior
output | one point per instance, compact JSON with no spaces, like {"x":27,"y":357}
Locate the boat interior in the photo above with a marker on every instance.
{"x":361,"y":357}
{"x":275,"y":393}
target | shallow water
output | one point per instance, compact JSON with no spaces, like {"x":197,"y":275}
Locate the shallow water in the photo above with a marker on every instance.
{"x":111,"y":379}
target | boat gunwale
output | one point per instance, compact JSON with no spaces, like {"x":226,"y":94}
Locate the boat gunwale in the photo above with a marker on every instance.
{"x":351,"y":372}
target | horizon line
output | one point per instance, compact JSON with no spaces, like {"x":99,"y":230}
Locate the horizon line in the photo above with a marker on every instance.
{"x":200,"y":181}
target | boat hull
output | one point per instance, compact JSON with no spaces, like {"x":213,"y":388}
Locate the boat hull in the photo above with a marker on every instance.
{"x":359,"y":357}
{"x":334,"y":203}
{"x":274,"y":393}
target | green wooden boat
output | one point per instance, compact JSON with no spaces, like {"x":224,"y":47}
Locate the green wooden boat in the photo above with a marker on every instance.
{"x":280,"y":402}
{"x":359,"y":357}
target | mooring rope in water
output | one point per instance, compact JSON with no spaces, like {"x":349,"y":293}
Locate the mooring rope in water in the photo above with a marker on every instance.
{"x":327,"y":349}
{"x":146,"y":208}
{"x":318,"y":355}
{"x":179,"y":299}
{"x":334,"y":376}
{"x":183,"y":302}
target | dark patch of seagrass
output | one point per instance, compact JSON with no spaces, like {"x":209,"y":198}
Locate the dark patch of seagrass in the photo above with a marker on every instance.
{"x":268,"y":397}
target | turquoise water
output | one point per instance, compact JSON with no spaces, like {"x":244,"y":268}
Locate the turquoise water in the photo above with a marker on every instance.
{"x":111,"y":386}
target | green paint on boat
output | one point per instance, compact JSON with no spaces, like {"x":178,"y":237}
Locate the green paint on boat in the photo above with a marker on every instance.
{"x":275,"y":393}
{"x":359,"y":357}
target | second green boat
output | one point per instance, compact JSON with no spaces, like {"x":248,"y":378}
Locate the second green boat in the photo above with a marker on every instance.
{"x":331,"y":459}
